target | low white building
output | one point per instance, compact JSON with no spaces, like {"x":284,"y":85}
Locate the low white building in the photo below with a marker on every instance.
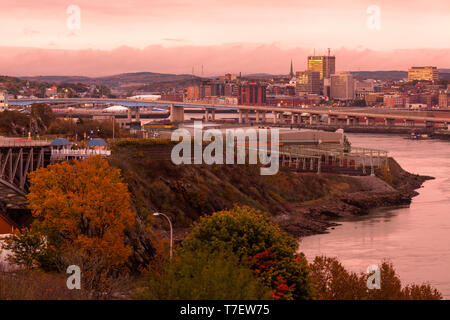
{"x":116,"y":109}
{"x":417,"y":106}
{"x":152,"y":97}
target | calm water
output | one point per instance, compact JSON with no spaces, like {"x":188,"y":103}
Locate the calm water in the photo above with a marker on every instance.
{"x":415,"y":238}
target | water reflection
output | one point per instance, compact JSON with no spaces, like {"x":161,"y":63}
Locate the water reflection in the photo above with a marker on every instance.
{"x":415,"y":238}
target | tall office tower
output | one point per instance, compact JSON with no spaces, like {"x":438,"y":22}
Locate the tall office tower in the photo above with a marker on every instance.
{"x":308,"y":82}
{"x":423,"y":73}
{"x":342,"y":86}
{"x":325,"y":65}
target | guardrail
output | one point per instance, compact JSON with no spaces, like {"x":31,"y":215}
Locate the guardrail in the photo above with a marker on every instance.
{"x":80,"y":152}
{"x":23,"y":143}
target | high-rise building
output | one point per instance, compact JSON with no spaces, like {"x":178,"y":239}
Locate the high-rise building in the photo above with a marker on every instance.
{"x":444,"y":99}
{"x":325,"y":65}
{"x":342,"y":86}
{"x":308,"y":82}
{"x":423,"y":74}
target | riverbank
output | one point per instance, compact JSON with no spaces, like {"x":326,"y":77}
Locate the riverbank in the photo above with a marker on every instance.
{"x":301,"y":203}
{"x":320,"y":215}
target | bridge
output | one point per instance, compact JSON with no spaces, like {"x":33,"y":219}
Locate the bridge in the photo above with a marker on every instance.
{"x":297,"y":115}
{"x":20,"y":157}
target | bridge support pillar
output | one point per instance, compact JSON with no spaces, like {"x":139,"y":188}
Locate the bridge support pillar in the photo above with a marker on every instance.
{"x":331,"y":119}
{"x":176,"y":113}
{"x":240,"y":116}
{"x":138,"y":115}
{"x":129,"y":115}
{"x":292,"y":118}
{"x":263,"y":116}
{"x":389,"y":122}
{"x":429,"y":124}
{"x":311,"y":119}
{"x":275,"y":116}
{"x":246,"y":116}
{"x":352,"y":121}
{"x":257,"y":116}
{"x":206,"y":115}
{"x":370,"y":121}
{"x":213,"y":114}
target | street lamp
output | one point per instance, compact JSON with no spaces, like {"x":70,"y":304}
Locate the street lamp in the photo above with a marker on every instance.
{"x":171,"y":230}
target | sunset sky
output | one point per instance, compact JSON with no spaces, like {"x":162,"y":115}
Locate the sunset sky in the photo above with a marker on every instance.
{"x":235,"y":35}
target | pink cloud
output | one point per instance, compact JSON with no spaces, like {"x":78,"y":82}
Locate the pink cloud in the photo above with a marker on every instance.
{"x":245,"y":58}
{"x":303,"y":23}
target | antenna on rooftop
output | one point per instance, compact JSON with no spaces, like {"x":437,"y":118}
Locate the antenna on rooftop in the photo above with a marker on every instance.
{"x":328,"y":51}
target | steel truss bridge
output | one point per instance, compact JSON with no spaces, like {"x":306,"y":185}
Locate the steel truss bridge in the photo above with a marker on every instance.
{"x":18,"y":159}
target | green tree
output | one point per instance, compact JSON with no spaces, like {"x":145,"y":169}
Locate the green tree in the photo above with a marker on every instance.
{"x":248,"y":233}
{"x":205,"y":274}
{"x":29,"y":249}
{"x":43,"y":115}
{"x":13,"y":123}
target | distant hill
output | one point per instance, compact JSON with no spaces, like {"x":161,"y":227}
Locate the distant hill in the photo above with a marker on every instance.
{"x":57,"y":79}
{"x":127,"y":81}
{"x":263,"y":75}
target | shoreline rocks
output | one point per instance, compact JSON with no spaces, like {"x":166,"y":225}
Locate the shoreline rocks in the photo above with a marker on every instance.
{"x":318,"y":217}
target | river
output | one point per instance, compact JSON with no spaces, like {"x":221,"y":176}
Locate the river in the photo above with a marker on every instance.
{"x":416,"y":239}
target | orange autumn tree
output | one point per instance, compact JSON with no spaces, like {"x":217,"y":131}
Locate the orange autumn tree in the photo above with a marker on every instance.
{"x":82,"y":207}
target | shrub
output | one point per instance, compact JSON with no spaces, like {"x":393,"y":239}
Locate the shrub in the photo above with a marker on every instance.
{"x":29,"y":249}
{"x":333,"y":282}
{"x":248,"y":233}
{"x":34,"y":285}
{"x":204,"y":274}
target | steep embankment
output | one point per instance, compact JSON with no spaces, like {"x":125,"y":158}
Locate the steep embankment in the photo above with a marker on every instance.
{"x":301,"y":203}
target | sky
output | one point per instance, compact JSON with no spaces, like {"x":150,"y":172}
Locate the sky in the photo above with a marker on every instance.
{"x":104,"y":37}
